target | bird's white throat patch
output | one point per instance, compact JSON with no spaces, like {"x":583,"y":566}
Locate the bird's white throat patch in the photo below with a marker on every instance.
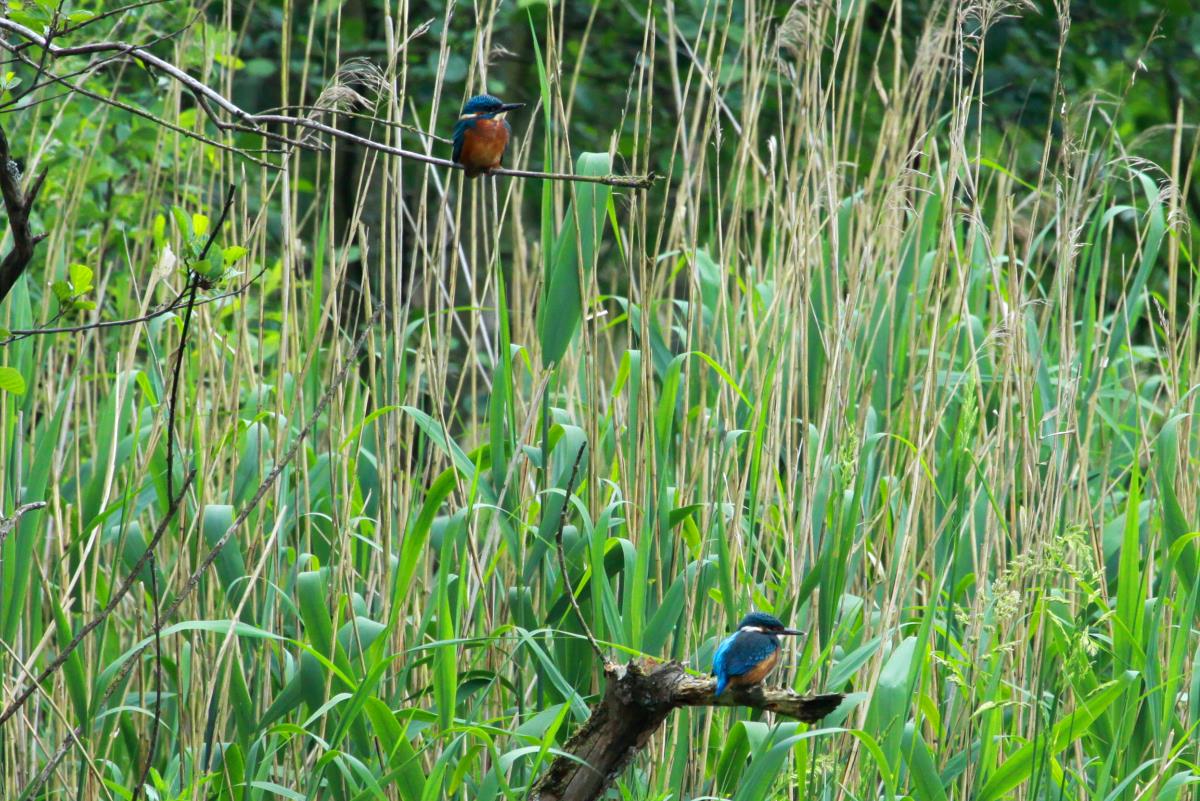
{"x":499,"y":115}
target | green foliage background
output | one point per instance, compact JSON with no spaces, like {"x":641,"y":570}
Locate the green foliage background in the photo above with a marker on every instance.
{"x":901,"y":346}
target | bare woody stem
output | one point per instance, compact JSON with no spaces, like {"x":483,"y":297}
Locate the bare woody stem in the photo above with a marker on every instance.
{"x":213,"y":102}
{"x":562,"y":558}
{"x":7,"y":524}
{"x":134,"y":575}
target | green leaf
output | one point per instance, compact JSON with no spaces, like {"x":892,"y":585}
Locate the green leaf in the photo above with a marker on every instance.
{"x":1175,"y":523}
{"x":232,"y":253}
{"x":183,"y":221}
{"x":1018,"y":767}
{"x":12,"y":381}
{"x":159,"y":230}
{"x":921,"y":766}
{"x":893,"y":695}
{"x":574,"y":257}
{"x":214,"y":266}
{"x":230,"y":565}
{"x":199,"y":224}
{"x":81,"y":278}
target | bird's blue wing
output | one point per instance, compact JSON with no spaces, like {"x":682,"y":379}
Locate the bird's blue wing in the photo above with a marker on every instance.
{"x":720,"y":658}
{"x":744,"y":650}
{"x":460,"y":134}
{"x":722,"y":653}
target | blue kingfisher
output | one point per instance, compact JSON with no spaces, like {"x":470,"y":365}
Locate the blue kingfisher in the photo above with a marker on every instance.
{"x":745,"y":657}
{"x":482,"y":134}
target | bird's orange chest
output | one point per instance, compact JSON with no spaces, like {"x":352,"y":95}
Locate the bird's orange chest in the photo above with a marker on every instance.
{"x":484,"y":143}
{"x":757,"y":673}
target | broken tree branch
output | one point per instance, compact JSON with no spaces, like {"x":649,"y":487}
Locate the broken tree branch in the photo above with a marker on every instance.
{"x":638,"y":698}
{"x":18,"y":203}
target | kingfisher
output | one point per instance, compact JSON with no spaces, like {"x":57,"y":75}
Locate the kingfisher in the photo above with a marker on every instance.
{"x":748,"y":655}
{"x":482,"y":134}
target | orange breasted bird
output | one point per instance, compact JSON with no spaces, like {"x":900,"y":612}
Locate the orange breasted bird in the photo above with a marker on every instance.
{"x":748,"y":655}
{"x":482,"y":134}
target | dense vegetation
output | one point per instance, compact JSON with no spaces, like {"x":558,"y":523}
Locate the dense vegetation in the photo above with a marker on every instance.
{"x":900,"y":346}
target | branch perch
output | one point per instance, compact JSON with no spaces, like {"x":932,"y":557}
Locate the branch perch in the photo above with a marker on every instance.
{"x":210,"y":100}
{"x":638,"y":698}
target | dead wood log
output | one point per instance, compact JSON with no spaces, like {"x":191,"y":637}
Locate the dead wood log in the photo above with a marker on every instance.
{"x":18,"y":204}
{"x":638,"y":698}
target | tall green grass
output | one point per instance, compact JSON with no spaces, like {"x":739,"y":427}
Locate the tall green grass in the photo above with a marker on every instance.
{"x":851,"y":361}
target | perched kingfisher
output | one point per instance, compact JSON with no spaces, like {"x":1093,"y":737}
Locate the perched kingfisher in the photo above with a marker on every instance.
{"x":482,"y":134}
{"x":747,"y":656}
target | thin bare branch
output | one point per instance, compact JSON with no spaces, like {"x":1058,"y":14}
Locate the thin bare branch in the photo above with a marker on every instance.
{"x":133,"y":575}
{"x":194,"y":281}
{"x":107,"y":14}
{"x":212,"y":102}
{"x":562,"y":559}
{"x":7,"y":524}
{"x":269,"y":481}
{"x":78,"y":88}
{"x":177,"y":303}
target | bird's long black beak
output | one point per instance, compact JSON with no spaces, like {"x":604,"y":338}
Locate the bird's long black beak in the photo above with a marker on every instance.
{"x":791,"y":631}
{"x":511,"y":106}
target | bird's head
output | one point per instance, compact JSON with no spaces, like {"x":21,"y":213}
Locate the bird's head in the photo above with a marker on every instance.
{"x":767,"y":624}
{"x":487,"y":106}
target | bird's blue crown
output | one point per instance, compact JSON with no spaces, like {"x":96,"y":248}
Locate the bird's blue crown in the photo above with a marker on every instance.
{"x":483,"y":104}
{"x":761,"y":620}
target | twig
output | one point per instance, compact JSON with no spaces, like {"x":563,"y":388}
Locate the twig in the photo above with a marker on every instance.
{"x":173,"y":404}
{"x":359,"y":115}
{"x":117,"y":597}
{"x":147,"y":555}
{"x":562,"y":559}
{"x":177,"y":303}
{"x":104,"y":15}
{"x":7,"y":524}
{"x":215,"y":551}
{"x":18,"y":204}
{"x":51,"y":29}
{"x":630,"y":181}
{"x":211,"y":101}
{"x":271,"y":477}
{"x":78,"y":88}
{"x":90,"y":67}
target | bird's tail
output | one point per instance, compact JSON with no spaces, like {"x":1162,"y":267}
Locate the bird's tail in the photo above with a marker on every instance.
{"x":722,"y":681}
